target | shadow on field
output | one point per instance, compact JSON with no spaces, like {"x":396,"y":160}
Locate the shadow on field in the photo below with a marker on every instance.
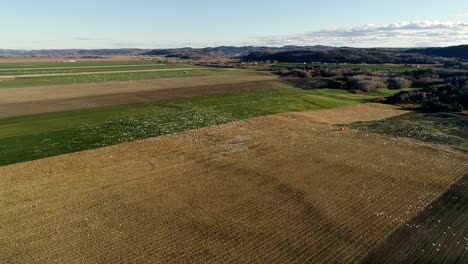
{"x":292,"y":211}
{"x":312,"y":83}
{"x":438,"y":235}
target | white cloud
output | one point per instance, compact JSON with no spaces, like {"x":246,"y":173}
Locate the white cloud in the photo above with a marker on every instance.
{"x":403,"y":34}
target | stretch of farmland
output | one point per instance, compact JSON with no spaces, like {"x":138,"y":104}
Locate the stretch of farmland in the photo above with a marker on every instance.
{"x":169,"y":162}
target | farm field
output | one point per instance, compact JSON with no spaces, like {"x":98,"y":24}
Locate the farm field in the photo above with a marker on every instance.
{"x":37,"y":136}
{"x":437,"y":235}
{"x":26,"y":101}
{"x":183,"y":164}
{"x":206,"y":132}
{"x":95,"y":72}
{"x":437,"y":128}
{"x":110,"y":76}
{"x":290,"y":187}
{"x":47,"y":63}
{"x":57,"y":92}
{"x":29,"y":72}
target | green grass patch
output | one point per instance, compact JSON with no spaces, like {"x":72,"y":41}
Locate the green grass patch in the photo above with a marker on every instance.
{"x":44,"y":135}
{"x":389,"y":92}
{"x":438,"y":128}
{"x":107,"y":77}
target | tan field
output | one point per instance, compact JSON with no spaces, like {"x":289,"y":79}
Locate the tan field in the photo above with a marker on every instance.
{"x":97,"y":72}
{"x":25,"y":59}
{"x":288,"y":188}
{"x":32,"y":100}
{"x":77,"y":66}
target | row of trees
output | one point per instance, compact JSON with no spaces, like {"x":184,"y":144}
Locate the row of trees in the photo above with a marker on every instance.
{"x":345,"y":55}
{"x":348,"y":79}
{"x":450,"y":97}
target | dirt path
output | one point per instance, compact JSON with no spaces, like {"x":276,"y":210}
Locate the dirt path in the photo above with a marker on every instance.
{"x":287,"y":188}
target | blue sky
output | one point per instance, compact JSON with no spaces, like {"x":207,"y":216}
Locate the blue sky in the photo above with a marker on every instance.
{"x":45,"y":24}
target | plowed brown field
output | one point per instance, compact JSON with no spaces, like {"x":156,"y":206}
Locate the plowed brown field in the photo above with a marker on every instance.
{"x":288,"y":188}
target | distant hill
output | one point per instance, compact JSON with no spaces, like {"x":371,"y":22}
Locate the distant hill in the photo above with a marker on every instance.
{"x":187,"y":53}
{"x":282,"y":54}
{"x":460,"y":52}
{"x":229,"y":51}
{"x":307,"y":54}
{"x":343,"y":55}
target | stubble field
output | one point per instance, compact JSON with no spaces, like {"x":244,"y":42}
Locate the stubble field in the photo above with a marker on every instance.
{"x":283,"y":188}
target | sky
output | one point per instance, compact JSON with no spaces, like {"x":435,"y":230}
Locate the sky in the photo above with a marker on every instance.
{"x":91,"y":24}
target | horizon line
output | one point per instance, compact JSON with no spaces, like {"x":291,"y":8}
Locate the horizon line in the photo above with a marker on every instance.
{"x":233,"y":46}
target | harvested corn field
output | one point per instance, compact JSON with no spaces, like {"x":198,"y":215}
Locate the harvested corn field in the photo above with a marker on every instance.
{"x":288,"y":188}
{"x":437,"y":235}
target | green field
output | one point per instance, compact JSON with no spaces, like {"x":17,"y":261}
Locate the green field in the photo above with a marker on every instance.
{"x":389,"y":92}
{"x":107,"y":77}
{"x":38,"y":136}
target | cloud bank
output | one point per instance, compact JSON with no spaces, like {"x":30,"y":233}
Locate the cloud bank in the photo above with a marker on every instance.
{"x":403,"y":34}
